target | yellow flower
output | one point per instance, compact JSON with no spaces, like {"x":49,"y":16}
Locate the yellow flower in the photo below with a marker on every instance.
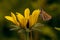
{"x":27,"y":18}
{"x":12,"y":18}
{"x":34,"y":17}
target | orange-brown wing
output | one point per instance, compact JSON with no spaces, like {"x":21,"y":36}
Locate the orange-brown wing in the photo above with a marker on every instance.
{"x":45,"y":16}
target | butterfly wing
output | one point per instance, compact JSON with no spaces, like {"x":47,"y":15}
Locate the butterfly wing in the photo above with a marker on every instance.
{"x":45,"y":16}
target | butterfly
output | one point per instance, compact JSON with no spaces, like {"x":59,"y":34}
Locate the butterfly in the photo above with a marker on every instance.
{"x":45,"y":16}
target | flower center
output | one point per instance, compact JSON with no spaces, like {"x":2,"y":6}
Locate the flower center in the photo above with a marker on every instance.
{"x":27,"y":24}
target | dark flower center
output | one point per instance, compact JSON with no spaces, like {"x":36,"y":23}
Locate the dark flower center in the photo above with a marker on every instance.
{"x":27,"y":24}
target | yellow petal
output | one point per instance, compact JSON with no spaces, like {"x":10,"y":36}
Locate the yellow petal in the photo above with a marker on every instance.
{"x":30,"y":21}
{"x":14,"y":18}
{"x":27,"y":13}
{"x":10,"y":19}
{"x":22,"y":20}
{"x":19,"y":15}
{"x":12,"y":15}
{"x":34,"y":17}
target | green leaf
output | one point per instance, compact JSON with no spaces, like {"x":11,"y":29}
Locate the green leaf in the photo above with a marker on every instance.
{"x":57,"y":28}
{"x":14,"y":27}
{"x":37,"y":26}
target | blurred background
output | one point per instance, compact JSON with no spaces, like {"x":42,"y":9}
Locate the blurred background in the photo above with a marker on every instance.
{"x":52,"y":7}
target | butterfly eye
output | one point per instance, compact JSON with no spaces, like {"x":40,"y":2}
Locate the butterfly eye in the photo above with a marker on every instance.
{"x":45,"y":16}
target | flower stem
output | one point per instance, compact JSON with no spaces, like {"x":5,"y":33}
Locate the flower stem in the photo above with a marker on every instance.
{"x":31,"y":35}
{"x":27,"y":35}
{"x":21,"y":36}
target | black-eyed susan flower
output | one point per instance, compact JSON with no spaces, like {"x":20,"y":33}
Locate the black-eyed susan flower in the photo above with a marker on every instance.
{"x":25,"y":20}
